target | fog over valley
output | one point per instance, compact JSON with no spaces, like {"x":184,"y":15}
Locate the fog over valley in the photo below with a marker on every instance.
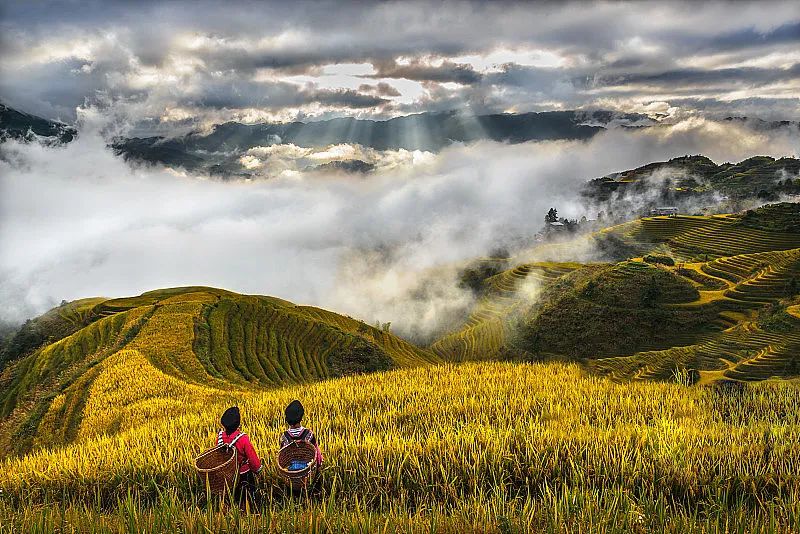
{"x":79,"y":221}
{"x":358,"y":156}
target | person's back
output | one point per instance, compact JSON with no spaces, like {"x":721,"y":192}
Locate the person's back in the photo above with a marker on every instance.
{"x":246,"y":454}
{"x":248,"y":460}
{"x":296,"y":432}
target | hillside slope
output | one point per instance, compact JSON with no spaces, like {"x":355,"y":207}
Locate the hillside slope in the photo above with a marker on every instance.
{"x":697,"y":178}
{"x":23,"y":126}
{"x":485,"y":333}
{"x":715,"y":297}
{"x":658,"y":449}
{"x":700,"y":238}
{"x":192,"y":337}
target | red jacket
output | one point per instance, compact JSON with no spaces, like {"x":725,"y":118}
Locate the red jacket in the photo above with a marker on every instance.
{"x":248,"y":459}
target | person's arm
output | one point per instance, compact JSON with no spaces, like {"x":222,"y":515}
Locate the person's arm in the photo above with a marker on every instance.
{"x":250,"y":453}
{"x":312,"y":439}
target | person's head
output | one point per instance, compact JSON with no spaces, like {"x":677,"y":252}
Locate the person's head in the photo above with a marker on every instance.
{"x":230,"y":419}
{"x":294,"y":413}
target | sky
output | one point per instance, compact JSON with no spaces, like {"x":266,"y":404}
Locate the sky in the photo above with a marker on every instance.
{"x":178,"y":64}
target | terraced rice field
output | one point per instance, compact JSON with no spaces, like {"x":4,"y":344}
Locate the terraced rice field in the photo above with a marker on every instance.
{"x":483,"y":335}
{"x":583,"y":454}
{"x":199,"y":336}
{"x":737,"y":270}
{"x":695,"y":237}
{"x":743,"y":350}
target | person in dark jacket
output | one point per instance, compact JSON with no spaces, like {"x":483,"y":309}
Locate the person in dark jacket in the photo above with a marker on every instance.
{"x":249,"y":462}
{"x":296,"y":431}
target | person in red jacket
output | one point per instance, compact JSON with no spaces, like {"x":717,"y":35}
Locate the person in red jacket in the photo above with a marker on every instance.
{"x":249,"y":462}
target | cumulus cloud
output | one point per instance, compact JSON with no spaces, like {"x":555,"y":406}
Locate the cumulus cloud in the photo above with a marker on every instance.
{"x":247,"y":60}
{"x":421,"y":70}
{"x":382,"y":89}
{"x":76,"y":221}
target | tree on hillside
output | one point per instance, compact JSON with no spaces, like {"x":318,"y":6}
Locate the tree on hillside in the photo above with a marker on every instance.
{"x":473,"y":276}
{"x":792,"y":287}
{"x":651,"y":293}
{"x":26,"y":339}
{"x":552,"y":216}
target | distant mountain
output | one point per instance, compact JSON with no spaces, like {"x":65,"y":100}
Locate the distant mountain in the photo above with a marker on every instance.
{"x":218,"y":152}
{"x":697,"y":177}
{"x":220,"y":148}
{"x":762,"y":125}
{"x":22,"y":126}
{"x":352,"y":166}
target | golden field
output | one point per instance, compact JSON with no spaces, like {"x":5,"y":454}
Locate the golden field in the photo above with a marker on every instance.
{"x":517,"y":446}
{"x":675,"y":405}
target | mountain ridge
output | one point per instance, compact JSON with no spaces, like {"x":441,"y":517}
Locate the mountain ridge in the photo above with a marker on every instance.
{"x":23,"y":126}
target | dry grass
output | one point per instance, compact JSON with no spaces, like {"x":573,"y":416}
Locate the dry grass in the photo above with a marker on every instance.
{"x":435,"y":444}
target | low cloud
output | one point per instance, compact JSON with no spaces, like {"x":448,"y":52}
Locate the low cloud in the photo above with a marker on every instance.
{"x":77,"y":221}
{"x":287,"y":160}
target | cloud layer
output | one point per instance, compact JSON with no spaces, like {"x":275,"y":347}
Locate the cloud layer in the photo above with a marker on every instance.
{"x":76,"y":221}
{"x":193,"y":63}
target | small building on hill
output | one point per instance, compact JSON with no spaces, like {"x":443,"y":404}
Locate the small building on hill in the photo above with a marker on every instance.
{"x":670,"y":211}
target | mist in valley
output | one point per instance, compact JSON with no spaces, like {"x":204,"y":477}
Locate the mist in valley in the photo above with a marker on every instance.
{"x":388,"y":246}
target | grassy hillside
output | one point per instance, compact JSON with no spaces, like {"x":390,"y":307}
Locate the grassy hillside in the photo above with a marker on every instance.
{"x":746,"y":271}
{"x":605,"y":310}
{"x":484,"y":334}
{"x":688,"y":177}
{"x":754,"y":297}
{"x":102,"y":419}
{"x":708,"y":302}
{"x":195,"y":336}
{"x":50,"y":327}
{"x":689,"y":238}
{"x":495,"y":446}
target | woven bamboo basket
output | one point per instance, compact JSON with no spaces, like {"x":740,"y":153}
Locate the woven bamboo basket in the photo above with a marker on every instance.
{"x":301,"y":451}
{"x":218,"y":469}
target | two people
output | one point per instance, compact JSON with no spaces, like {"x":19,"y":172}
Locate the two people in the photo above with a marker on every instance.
{"x":249,"y":462}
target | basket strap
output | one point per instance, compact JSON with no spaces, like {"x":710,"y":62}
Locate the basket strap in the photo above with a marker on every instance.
{"x":219,"y":438}
{"x":232,"y":443}
{"x":302,"y":437}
